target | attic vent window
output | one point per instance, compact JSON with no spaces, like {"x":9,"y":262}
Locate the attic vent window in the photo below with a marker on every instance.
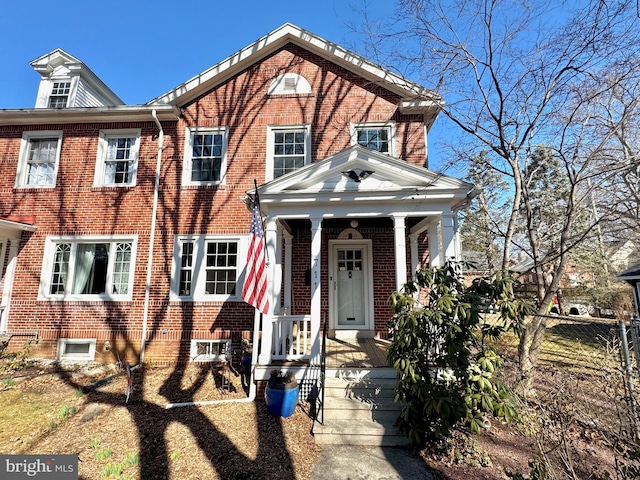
{"x":59,"y":94}
{"x":289,"y":83}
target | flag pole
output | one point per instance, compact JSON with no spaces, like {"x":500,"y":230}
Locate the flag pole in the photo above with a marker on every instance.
{"x":256,"y":199}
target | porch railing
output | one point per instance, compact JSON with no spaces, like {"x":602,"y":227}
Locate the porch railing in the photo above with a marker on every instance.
{"x":291,"y":337}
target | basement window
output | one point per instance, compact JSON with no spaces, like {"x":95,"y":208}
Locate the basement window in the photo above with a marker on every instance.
{"x":76,"y":349}
{"x":211,"y":350}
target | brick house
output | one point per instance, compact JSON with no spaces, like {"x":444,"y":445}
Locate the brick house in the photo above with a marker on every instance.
{"x":124,"y":228}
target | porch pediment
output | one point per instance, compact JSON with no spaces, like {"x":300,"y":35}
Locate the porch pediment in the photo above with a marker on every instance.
{"x":357,"y":174}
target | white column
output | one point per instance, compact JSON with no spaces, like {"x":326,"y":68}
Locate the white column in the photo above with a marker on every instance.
{"x":399,"y":234}
{"x":271,"y":234}
{"x":288,"y":279}
{"x":415,"y":254}
{"x":435,"y":257}
{"x":316,"y":304}
{"x":9,"y":273}
{"x":277,"y":272}
{"x":449,"y":237}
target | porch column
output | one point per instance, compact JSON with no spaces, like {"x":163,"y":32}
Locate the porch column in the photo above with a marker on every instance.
{"x":270,"y":233}
{"x":435,"y":258}
{"x":7,"y":280}
{"x":449,"y":237}
{"x":277,"y":271}
{"x":399,"y":234}
{"x":288,"y":281}
{"x":415,"y":256}
{"x":316,"y":304}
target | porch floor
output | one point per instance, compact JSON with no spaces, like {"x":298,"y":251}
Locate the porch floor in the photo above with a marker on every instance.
{"x":361,"y":352}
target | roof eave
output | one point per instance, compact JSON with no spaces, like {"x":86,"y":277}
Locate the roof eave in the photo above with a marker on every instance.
{"x":133,"y":113}
{"x":288,"y":33}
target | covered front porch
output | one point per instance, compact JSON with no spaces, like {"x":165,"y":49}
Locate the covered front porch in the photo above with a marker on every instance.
{"x":339,"y":244}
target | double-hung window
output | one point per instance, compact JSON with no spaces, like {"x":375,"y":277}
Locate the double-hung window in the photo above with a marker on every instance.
{"x":59,"y":97}
{"x":205,"y":159}
{"x":39,"y":158}
{"x":374,"y":136}
{"x":207,"y":267}
{"x":88,"y":268}
{"x":288,"y":149}
{"x":117,"y":162}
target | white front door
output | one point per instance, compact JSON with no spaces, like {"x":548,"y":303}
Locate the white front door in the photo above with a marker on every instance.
{"x":351,"y":285}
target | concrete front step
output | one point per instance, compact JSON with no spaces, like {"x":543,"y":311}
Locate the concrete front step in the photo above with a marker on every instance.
{"x":359,"y":409}
{"x":360,"y":432}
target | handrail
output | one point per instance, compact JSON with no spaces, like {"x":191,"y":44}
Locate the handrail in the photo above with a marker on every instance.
{"x":323,"y":370}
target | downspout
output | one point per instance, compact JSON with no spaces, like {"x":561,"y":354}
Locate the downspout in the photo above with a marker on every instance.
{"x":152,"y":237}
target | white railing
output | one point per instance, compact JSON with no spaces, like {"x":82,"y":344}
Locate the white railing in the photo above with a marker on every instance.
{"x":291,"y":338}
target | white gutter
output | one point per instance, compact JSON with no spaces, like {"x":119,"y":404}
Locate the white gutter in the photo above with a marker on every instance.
{"x":147,"y":285}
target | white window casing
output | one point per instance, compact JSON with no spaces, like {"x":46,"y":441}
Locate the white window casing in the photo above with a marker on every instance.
{"x":117,"y":158}
{"x":79,"y":349}
{"x":288,"y":148}
{"x":39,"y":159}
{"x":205,"y":156}
{"x":208,"y":267}
{"x":88,"y":268}
{"x":379,"y":136}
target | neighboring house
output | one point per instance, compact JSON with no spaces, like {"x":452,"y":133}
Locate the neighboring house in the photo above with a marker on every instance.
{"x":124,"y":228}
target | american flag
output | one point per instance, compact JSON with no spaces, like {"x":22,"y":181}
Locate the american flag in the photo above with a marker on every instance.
{"x":254,"y":291}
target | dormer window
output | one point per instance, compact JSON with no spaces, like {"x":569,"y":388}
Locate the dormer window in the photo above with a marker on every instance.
{"x":59,"y":94}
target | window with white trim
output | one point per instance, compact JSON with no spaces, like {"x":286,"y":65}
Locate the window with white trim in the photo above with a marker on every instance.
{"x":207,"y":267}
{"x":379,"y":137}
{"x":117,"y":162}
{"x":205,"y":156}
{"x":210,"y":350}
{"x":59,"y":96}
{"x":76,"y":349}
{"x":288,"y":149}
{"x":39,"y":158}
{"x":88,"y":268}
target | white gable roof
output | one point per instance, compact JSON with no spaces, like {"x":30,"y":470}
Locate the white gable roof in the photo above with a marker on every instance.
{"x":415,"y":97}
{"x":339,"y":179}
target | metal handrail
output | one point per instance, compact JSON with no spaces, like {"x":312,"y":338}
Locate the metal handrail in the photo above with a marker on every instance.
{"x":323,"y":369}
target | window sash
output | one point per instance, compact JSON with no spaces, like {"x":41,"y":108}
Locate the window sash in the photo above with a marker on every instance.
{"x":120,"y":160}
{"x":207,"y":267}
{"x":41,"y":161}
{"x":288,"y":151}
{"x":376,"y":139}
{"x":207,"y":150}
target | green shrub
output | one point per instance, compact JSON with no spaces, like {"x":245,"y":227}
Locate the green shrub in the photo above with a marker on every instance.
{"x":446,"y":372}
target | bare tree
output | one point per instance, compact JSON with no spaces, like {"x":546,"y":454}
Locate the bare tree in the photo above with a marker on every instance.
{"x":518,"y":74}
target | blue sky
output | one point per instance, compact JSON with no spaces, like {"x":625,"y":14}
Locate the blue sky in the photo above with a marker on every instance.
{"x":142,"y":49}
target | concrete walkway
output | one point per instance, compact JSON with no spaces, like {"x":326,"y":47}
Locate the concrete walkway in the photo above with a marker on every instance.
{"x":344,"y":462}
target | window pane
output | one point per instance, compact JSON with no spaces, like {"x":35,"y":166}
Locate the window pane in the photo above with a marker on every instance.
{"x":289,"y":151}
{"x":186,"y":272}
{"x":221,"y":274}
{"x":91,"y":263}
{"x":121,"y":268}
{"x":206,"y":157}
{"x":375,"y":139}
{"x":41,"y":159}
{"x":60,"y":268}
{"x":77,"y":348}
